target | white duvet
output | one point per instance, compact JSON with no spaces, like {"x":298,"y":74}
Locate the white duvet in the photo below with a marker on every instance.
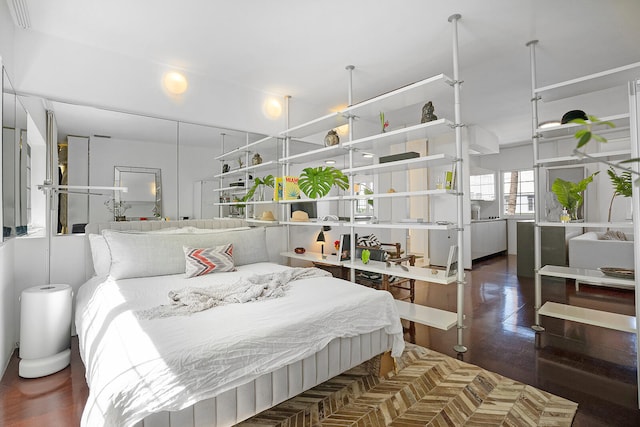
{"x":137,"y":367}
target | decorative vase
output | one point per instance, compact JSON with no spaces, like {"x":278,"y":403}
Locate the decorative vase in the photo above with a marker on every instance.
{"x":256,"y":160}
{"x":331,"y":138}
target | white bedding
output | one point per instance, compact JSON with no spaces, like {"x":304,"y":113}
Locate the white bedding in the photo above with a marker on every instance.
{"x":137,"y":367}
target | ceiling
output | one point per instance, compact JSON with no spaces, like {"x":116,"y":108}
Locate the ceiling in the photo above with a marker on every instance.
{"x":301,"y":47}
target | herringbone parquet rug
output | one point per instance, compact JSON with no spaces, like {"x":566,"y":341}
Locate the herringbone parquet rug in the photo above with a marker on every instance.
{"x":429,"y":388}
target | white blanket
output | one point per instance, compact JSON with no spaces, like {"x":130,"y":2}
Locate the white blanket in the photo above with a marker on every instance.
{"x":137,"y":367}
{"x":191,"y":300}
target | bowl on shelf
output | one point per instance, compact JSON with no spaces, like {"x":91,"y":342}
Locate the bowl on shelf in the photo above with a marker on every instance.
{"x":299,"y":251}
{"x":622,"y":273}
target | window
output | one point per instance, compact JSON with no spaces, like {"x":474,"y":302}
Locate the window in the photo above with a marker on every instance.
{"x":518,"y":192}
{"x":483,"y":187}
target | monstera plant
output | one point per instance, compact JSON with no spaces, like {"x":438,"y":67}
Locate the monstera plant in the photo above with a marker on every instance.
{"x":571,"y":194}
{"x":317,"y":182}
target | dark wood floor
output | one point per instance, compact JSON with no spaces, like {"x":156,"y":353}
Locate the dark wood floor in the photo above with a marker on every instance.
{"x":592,"y":366}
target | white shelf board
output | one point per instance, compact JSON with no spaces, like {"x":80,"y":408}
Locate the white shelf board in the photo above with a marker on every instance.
{"x":324,"y":123}
{"x":317,"y":154}
{"x":260,"y":221}
{"x":417,"y":273}
{"x":604,"y":319}
{"x":576,"y":159}
{"x":269,"y":142}
{"x":419,"y":131}
{"x":270,"y":164}
{"x":216,"y":190}
{"x":587,"y":224}
{"x":585,"y":275}
{"x":569,"y":129}
{"x":427,"y":89}
{"x":401,"y":165}
{"x":402,"y":225}
{"x":313,"y":257}
{"x":428,"y":316}
{"x":315,"y":223}
{"x":590,"y":83}
{"x":435,"y":192}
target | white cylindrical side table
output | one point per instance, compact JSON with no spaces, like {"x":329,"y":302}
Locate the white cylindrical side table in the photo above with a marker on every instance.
{"x":45,"y":330}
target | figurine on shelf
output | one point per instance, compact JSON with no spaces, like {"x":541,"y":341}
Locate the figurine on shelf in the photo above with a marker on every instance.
{"x":427,"y":113}
{"x":331,"y":138}
{"x":225,"y":168}
{"x":256,"y":160}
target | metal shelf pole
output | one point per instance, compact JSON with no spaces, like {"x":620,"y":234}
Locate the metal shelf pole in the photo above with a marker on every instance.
{"x":459,"y":347}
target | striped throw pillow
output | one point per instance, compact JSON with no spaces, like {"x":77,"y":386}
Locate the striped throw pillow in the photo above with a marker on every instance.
{"x":201,"y":261}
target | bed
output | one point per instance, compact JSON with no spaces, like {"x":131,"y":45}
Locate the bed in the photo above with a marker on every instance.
{"x":222,"y":365}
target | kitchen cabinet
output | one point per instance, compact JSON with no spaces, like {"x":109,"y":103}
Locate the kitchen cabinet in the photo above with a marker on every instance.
{"x":488,"y":237}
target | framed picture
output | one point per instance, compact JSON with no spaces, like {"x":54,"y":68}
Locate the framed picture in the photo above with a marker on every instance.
{"x":452,"y":261}
{"x":344,"y":250}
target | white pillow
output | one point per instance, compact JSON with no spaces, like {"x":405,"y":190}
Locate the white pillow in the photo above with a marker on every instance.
{"x":100,"y":254}
{"x":152,"y":254}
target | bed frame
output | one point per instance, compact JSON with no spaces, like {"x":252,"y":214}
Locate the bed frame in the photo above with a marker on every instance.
{"x":268,"y":390}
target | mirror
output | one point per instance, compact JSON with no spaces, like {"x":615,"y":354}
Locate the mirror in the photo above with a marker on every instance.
{"x":15,"y":163}
{"x":95,"y":145}
{"x":143,"y":200}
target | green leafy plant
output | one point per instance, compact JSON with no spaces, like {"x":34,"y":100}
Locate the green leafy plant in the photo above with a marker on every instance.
{"x":571,"y":194}
{"x":268,"y":181}
{"x":621,"y":185}
{"x":317,"y":182}
{"x":586,"y":134}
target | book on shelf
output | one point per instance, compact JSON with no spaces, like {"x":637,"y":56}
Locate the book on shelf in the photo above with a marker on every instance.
{"x":287,"y":188}
{"x":452,"y":262}
{"x":278,"y":188}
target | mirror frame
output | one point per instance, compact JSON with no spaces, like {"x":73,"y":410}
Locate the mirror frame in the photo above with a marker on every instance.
{"x":120,"y":204}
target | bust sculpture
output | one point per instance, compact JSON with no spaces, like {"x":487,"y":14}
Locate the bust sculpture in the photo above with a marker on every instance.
{"x":427,"y":113}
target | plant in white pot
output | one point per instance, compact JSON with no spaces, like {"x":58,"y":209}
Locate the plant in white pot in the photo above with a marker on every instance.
{"x":571,"y":194}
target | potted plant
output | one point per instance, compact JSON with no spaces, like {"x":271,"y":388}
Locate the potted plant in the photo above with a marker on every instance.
{"x":317,"y":182}
{"x":621,"y":185}
{"x":571,"y":194}
{"x":259,"y":184}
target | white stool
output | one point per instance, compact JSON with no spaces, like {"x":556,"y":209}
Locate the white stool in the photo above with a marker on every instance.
{"x":45,"y":330}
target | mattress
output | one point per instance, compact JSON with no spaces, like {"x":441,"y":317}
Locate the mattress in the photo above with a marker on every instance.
{"x":136,"y":367}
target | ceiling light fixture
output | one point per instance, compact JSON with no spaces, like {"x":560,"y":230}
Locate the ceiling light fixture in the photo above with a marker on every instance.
{"x":272,"y":108}
{"x":367,"y":155}
{"x":330,"y":162}
{"x":175,"y":83}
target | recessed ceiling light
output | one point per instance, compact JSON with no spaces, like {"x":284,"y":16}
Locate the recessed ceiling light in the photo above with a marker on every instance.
{"x":367,"y":155}
{"x":175,"y":82}
{"x":549,"y":124}
{"x":272,"y":108}
{"x":330,"y":162}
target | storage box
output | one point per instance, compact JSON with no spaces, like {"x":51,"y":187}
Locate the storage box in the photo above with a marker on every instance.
{"x":400,"y":156}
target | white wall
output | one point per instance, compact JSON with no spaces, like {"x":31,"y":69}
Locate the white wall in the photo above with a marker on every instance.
{"x":8,"y":302}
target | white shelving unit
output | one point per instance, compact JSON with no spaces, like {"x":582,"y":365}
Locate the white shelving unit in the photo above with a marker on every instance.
{"x":441,"y":90}
{"x":626,"y":75}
